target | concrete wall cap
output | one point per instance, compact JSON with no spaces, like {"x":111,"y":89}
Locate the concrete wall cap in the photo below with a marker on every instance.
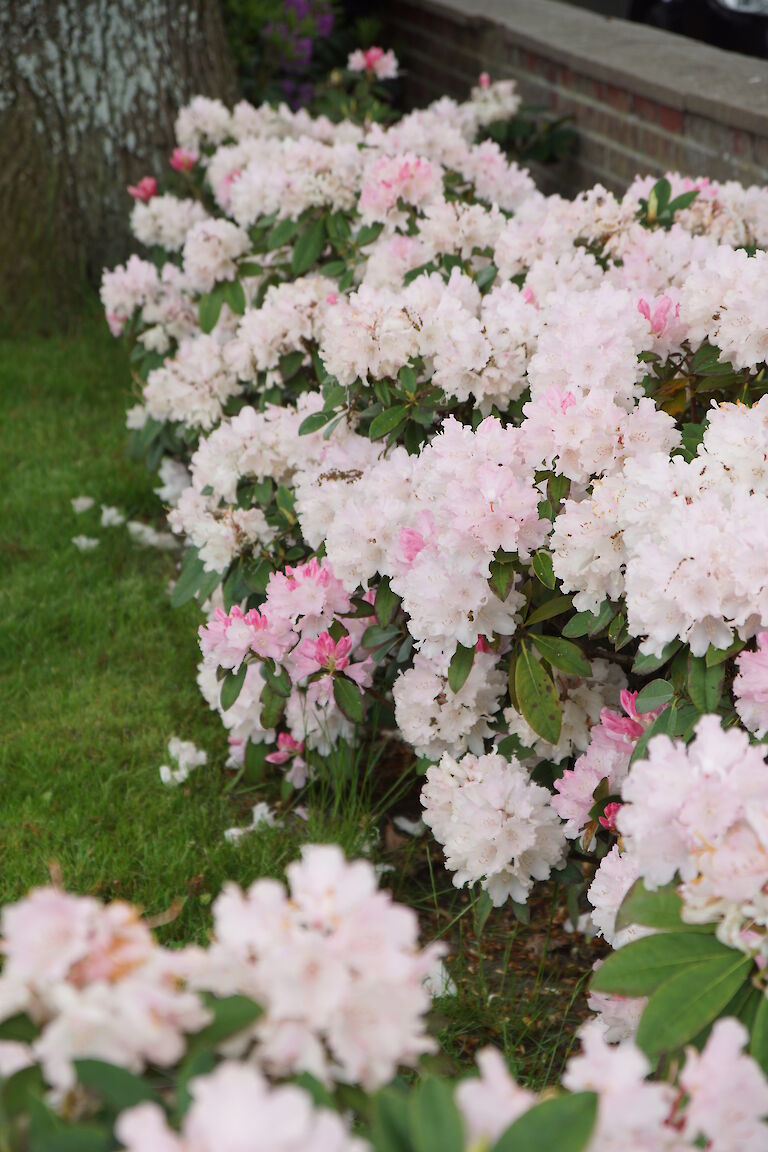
{"x":673,"y":70}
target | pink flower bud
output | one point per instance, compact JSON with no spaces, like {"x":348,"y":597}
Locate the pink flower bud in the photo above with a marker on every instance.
{"x":608,"y":819}
{"x":484,"y":80}
{"x":183,"y":159}
{"x":144,"y":190}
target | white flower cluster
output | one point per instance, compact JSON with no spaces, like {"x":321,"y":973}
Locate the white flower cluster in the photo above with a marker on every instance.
{"x":494,"y":824}
{"x":334,"y":963}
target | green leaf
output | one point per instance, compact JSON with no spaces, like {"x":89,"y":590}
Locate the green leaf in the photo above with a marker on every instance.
{"x":562,"y":654}
{"x":537,"y":696}
{"x":642,"y":966}
{"x":315,"y":422}
{"x":386,"y":603}
{"x":286,"y":502}
{"x":377,"y":634}
{"x":460,"y":667}
{"x":290,"y":364}
{"x":19,"y":1028}
{"x":562,"y":1124}
{"x":250,"y":268}
{"x":550,"y":608}
{"x":193,"y":578}
{"x":231,"y":687}
{"x":198,"y":1063}
{"x":272,"y":707}
{"x":486,"y":276}
{"x":654,"y":695}
{"x":17,"y":1090}
{"x":645,"y":664}
{"x":689,"y":1001}
{"x":209,"y":308}
{"x":367,"y":234}
{"x":542,"y":567}
{"x":255,"y":761}
{"x":118,"y":1087}
{"x":434,"y":1121}
{"x":72,"y":1138}
{"x":758,"y":1041}
{"x":231,"y":1015}
{"x":660,"y":909}
{"x":663,"y":725}
{"x":482,"y":909}
{"x":705,"y":683}
{"x":234,"y":296}
{"x":387,"y":421}
{"x":308,"y":247}
{"x":281,"y":234}
{"x":718,"y":655}
{"x":279,"y":682}
{"x":349,"y":698}
{"x":578,"y":625}
{"x":501,"y":579}
{"x":389,"y":1131}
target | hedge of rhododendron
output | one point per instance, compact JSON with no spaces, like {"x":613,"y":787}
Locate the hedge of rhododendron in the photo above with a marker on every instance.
{"x":483,"y":473}
{"x":254,"y":1041}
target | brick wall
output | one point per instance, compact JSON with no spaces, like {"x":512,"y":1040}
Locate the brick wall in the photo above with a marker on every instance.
{"x":643,"y":100}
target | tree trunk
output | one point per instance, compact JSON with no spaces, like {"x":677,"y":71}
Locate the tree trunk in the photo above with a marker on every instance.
{"x":89,"y":91}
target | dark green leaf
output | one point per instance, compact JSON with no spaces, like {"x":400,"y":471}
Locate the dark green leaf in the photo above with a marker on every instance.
{"x":689,"y":1001}
{"x":368,"y":233}
{"x":315,"y":422}
{"x":486,"y":276}
{"x":460,"y":667}
{"x":718,"y":655}
{"x":209,"y":308}
{"x":193,"y":578}
{"x":434,"y":1121}
{"x":234,"y":296}
{"x":290,"y":364}
{"x":118,"y":1087}
{"x":389,"y":1131}
{"x":642,"y":966}
{"x":377,"y":634}
{"x":663,"y":725}
{"x":231,"y":687}
{"x":255,"y":760}
{"x":542,"y":567}
{"x":308,"y":248}
{"x":502,"y":578}
{"x":537,"y":697}
{"x":758,"y":1041}
{"x":660,"y":909}
{"x":578,"y":625}
{"x":387,"y":421}
{"x":231,"y":1015}
{"x":645,"y":664}
{"x":550,"y":608}
{"x":19,"y":1028}
{"x":386,"y":603}
{"x":272,"y":706}
{"x":279,"y":682}
{"x":654,"y":695}
{"x":705,"y":683}
{"x":281,"y":234}
{"x":349,"y":698}
{"x":562,"y":654}
{"x":562,"y":1124}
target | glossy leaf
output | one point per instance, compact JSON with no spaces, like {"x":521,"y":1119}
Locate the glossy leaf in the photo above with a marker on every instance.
{"x":536,"y":695}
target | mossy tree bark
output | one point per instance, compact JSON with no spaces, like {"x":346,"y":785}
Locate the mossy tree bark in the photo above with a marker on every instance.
{"x":89,"y":90}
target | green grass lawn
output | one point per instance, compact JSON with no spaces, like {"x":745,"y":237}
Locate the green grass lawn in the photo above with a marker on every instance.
{"x":97,"y":672}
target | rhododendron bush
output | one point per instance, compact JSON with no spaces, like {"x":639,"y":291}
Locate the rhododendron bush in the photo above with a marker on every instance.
{"x":120,"y":1043}
{"x":483,"y":473}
